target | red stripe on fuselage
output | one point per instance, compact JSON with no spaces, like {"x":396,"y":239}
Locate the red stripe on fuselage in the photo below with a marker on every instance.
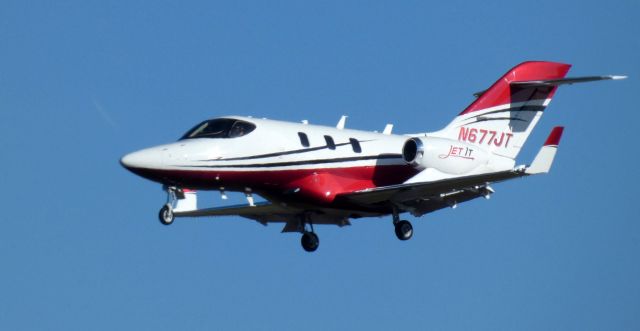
{"x":317,"y":185}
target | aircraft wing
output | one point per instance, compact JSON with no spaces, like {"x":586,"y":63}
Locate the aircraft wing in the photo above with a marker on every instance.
{"x":425,"y":197}
{"x":420,"y":198}
{"x":444,"y":187}
{"x":268,"y":212}
{"x":259,"y":209}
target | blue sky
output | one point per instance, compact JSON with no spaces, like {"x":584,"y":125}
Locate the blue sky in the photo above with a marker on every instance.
{"x":83,"y":82}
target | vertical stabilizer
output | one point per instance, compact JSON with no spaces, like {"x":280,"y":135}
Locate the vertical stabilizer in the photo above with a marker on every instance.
{"x":502,"y":117}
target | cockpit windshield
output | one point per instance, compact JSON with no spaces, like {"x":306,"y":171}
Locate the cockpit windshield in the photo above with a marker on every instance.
{"x":220,"y":128}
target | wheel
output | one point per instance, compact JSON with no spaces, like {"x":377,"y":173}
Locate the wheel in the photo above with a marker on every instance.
{"x":404,"y":230}
{"x":310,"y":241}
{"x":166,"y":215}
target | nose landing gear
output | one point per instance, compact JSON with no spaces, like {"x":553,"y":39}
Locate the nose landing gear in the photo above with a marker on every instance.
{"x":166,"y":214}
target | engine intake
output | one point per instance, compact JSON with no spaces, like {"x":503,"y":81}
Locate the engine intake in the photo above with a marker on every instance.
{"x":412,"y":151}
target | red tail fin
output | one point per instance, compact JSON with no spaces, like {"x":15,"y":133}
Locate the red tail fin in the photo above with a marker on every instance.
{"x":501,"y":92}
{"x":502,"y":117}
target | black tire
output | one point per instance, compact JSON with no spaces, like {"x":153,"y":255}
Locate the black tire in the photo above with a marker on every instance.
{"x":404,"y":230}
{"x":310,"y":241}
{"x":166,"y":215}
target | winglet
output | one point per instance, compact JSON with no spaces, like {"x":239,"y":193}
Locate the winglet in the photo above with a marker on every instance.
{"x":543,"y":161}
{"x":554,"y":136}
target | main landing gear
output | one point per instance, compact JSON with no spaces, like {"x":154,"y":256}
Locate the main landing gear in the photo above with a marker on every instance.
{"x":403,"y":228}
{"x":309,"y":239}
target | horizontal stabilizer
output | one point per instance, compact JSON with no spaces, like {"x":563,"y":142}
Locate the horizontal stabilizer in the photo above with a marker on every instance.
{"x":563,"y":81}
{"x":543,"y":161}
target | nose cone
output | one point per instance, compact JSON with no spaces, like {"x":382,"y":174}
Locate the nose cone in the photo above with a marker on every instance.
{"x":150,"y":158}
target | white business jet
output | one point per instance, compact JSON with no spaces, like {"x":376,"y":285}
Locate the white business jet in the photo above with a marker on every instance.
{"x":310,"y":174}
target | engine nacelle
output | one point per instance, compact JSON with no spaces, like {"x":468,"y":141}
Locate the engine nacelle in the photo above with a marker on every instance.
{"x":445,"y":155}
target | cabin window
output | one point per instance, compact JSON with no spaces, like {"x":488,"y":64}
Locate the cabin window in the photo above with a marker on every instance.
{"x":355,"y":144}
{"x":304,"y":140}
{"x":330,"y":143}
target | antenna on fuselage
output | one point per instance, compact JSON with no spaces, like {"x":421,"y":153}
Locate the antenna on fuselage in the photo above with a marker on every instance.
{"x":388,"y":129}
{"x":341,"y":122}
{"x":305,"y":122}
{"x":249,"y":195}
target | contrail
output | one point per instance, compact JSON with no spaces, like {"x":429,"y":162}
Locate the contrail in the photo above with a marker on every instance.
{"x":105,"y":115}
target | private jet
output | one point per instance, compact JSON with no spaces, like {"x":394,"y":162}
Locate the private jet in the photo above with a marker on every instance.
{"x":311,"y":174}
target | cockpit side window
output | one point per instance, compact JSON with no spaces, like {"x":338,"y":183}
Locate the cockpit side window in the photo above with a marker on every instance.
{"x":240,"y":128}
{"x":220,"y":128}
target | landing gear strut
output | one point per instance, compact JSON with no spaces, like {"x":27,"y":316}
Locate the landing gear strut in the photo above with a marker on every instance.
{"x":309,"y":240}
{"x":166,"y":215}
{"x":403,"y":228}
